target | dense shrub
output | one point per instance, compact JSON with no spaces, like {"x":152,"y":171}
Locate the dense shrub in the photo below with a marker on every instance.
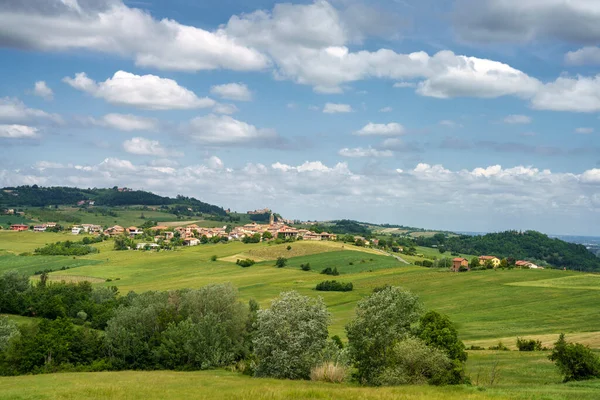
{"x":334,"y":286}
{"x":305,"y":267}
{"x":382,"y":320}
{"x":66,"y":248}
{"x":290,"y":336}
{"x":500,"y":346}
{"x":428,"y":263}
{"x":8,"y":330}
{"x":529,"y":345}
{"x":412,"y":362}
{"x":281,"y":262}
{"x":245,"y":263}
{"x":329,"y":271}
{"x":575,"y":361}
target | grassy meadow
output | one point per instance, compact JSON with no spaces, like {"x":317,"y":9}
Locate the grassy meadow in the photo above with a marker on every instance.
{"x":486,"y":306}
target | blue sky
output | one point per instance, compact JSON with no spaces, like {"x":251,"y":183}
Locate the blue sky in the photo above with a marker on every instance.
{"x":461,"y":115}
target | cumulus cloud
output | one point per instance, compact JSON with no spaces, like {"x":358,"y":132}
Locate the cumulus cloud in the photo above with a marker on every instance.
{"x":360,"y":152}
{"x":490,"y":197}
{"x":371,"y":129}
{"x":575,"y":94}
{"x":584,"y":131}
{"x":109,"y":26}
{"x":576,"y":21}
{"x":517,"y":119}
{"x":42,"y":90}
{"x":18,"y":132}
{"x":127,"y":122}
{"x":405,"y":85}
{"x":148,"y":92}
{"x":146,"y":147}
{"x":14,"y":111}
{"x":333,"y":108}
{"x":223,"y":130}
{"x":232,"y":91}
{"x":584,"y":56}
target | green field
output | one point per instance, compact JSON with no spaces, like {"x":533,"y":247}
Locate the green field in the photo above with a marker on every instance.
{"x":486,"y":306}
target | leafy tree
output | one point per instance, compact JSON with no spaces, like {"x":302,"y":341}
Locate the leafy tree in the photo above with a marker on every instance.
{"x":382,"y":319}
{"x":436,"y":330}
{"x":334,"y":286}
{"x":123,"y":242}
{"x":475,"y":263}
{"x":504,"y":263}
{"x":267,"y":235}
{"x":281,"y":262}
{"x":575,"y":361}
{"x":13,"y":286}
{"x":8,"y":330}
{"x":290,"y":335}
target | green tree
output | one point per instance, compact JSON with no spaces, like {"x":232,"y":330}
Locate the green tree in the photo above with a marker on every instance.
{"x":13,"y":287}
{"x":290,"y":336}
{"x":575,"y":361}
{"x":382,"y":319}
{"x":504,"y":263}
{"x":8,"y":330}
{"x":475,"y":263}
{"x":267,"y":235}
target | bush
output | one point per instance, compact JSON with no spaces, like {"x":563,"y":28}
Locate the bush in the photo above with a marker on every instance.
{"x":305,"y":267}
{"x":382,"y":319}
{"x":281,"y":262}
{"x":66,"y":248}
{"x":529,"y":345}
{"x":427,"y":263}
{"x":575,"y":361}
{"x":500,"y":346}
{"x":289,"y":248}
{"x":290,"y":336}
{"x":412,"y":362}
{"x":334,"y":286}
{"x":329,"y":271}
{"x":213,"y":258}
{"x":8,"y":330}
{"x":245,"y":263}
{"x":329,"y":372}
{"x":419,"y":263}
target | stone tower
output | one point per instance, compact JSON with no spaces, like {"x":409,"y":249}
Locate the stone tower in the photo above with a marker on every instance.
{"x":271,"y":219}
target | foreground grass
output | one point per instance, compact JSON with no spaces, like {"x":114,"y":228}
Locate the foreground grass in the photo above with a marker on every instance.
{"x":228,"y":385}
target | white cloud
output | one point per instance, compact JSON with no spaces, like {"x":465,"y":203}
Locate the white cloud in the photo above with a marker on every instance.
{"x":333,"y":108}
{"x":127,"y":122}
{"x":584,"y":56}
{"x":584,"y":131}
{"x":371,"y":129}
{"x":360,"y":152}
{"x":386,"y":109}
{"x":142,"y":91}
{"x":143,"y":146}
{"x":109,"y":26}
{"x":575,"y":94}
{"x":18,"y":132}
{"x":225,"y":130}
{"x":489,"y":197}
{"x":232,"y":91}
{"x":222,"y":108}
{"x":517,"y":119}
{"x":42,"y":90}
{"x":450,"y":124}
{"x":14,"y":110}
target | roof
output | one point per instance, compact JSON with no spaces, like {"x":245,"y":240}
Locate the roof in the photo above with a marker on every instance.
{"x":487,"y":257}
{"x":459,"y":259}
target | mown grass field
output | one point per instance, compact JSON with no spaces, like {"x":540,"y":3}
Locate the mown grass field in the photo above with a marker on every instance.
{"x":486,"y":306}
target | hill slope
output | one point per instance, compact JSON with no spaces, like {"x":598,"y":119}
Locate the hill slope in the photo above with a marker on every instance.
{"x":529,"y":245}
{"x":38,"y":196}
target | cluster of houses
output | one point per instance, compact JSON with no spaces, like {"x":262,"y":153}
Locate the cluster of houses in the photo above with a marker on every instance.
{"x":459,"y":262}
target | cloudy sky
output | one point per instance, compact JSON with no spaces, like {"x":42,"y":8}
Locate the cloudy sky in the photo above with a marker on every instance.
{"x":469,"y":115}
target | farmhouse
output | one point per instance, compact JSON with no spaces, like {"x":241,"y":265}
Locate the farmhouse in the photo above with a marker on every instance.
{"x":144,"y":246}
{"x":133,"y":231}
{"x":76,"y":230}
{"x":90,"y":228}
{"x":527,"y":264}
{"x":19,"y":227}
{"x":457,"y":263}
{"x":494,"y":260}
{"x":114,"y":230}
{"x":191,"y":242}
{"x":40,"y":228}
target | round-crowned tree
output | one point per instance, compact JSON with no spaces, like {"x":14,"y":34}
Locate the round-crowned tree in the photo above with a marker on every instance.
{"x":382,"y":320}
{"x":290,"y":336}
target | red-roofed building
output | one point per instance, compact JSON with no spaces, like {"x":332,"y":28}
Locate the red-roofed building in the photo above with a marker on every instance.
{"x":19,"y":227}
{"x":457,"y":263}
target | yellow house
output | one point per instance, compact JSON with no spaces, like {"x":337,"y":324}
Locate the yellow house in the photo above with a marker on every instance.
{"x":495,"y":260}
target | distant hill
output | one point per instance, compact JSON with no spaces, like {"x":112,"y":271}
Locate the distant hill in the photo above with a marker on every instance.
{"x":38,"y":196}
{"x":529,"y":245}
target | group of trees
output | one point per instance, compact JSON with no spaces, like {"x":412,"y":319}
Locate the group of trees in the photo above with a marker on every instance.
{"x":529,"y":245}
{"x":69,"y":248}
{"x":334,"y":286}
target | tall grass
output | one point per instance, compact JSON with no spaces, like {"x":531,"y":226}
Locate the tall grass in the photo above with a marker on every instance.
{"x":329,"y":372}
